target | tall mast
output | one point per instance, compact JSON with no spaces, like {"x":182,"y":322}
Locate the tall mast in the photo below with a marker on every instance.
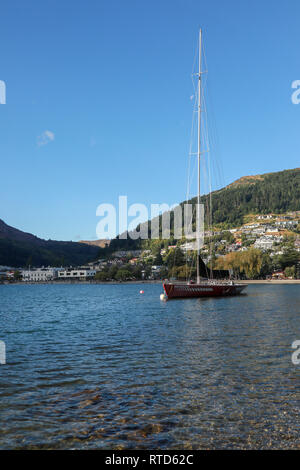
{"x":199,"y":155}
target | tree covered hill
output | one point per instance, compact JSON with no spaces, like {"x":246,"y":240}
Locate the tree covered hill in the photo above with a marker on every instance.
{"x":19,"y":249}
{"x":269,"y":193}
{"x":276,"y":193}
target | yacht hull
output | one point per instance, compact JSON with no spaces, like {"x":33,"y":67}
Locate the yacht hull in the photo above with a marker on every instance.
{"x":175,"y":290}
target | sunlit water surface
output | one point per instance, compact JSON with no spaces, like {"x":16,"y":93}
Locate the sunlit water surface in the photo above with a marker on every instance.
{"x":102,"y":366}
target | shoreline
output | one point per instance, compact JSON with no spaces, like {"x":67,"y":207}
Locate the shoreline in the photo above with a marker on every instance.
{"x":68,"y":283}
{"x":271,"y":281}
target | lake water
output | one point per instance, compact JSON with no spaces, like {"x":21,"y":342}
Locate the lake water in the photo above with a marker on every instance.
{"x":102,"y":366}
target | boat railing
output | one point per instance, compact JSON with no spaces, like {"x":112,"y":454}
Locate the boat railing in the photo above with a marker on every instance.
{"x":208,"y":282}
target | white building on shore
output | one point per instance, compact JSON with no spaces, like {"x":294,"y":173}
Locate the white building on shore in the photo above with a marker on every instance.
{"x":40,"y":274}
{"x":77,"y":273}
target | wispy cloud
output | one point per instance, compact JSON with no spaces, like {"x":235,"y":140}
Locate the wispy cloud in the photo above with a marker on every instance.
{"x":93,"y":142}
{"x":45,"y":138}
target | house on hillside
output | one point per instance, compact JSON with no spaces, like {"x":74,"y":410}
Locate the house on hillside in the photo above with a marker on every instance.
{"x":264,"y":243}
{"x":191,"y":246}
{"x":288,"y":224}
{"x":265,"y":217}
{"x":297,"y":244}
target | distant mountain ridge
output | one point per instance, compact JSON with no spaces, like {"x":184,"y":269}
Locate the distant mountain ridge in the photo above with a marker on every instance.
{"x":102,"y":243}
{"x":6,"y":231}
{"x":252,"y":179}
{"x":19,"y":249}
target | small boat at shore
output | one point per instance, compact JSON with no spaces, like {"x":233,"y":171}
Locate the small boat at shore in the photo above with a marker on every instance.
{"x":208,"y":287}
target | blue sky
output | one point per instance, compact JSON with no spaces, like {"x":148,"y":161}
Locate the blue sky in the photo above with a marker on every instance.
{"x":98,"y":102}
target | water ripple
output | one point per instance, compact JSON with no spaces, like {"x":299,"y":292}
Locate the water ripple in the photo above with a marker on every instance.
{"x":98,"y":366}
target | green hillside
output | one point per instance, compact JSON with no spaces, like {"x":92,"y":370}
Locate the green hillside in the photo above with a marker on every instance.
{"x":270,"y":193}
{"x":261,"y":194}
